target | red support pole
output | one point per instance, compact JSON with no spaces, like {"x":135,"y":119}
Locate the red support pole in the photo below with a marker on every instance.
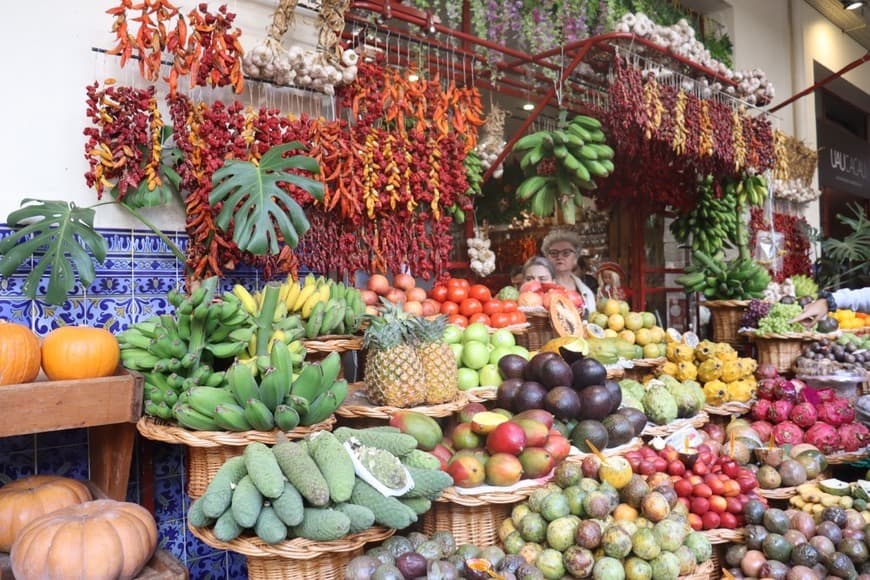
{"x":852,"y":65}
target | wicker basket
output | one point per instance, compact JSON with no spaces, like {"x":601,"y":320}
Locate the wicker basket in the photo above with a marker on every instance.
{"x":728,"y":409}
{"x":296,"y":558}
{"x":784,"y":492}
{"x":699,"y":420}
{"x":476,"y":525}
{"x":725,"y":318}
{"x":706,"y":571}
{"x":539,"y":332}
{"x":333,"y":343}
{"x":725,"y":536}
{"x":851,"y":457}
{"x":208,"y":450}
{"x":357,"y":406}
{"x":642,"y":367}
{"x":780,"y":352}
{"x":633,"y":445}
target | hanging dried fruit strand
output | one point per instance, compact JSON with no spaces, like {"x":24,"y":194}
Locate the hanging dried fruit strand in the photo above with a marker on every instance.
{"x":706,"y":143}
{"x":680,"y":133}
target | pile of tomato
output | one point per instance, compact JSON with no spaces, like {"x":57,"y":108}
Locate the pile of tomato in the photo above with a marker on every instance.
{"x":464,"y":303}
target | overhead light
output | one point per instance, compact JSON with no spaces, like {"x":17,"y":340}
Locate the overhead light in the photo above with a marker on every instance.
{"x":529,"y":107}
{"x":853,"y":5}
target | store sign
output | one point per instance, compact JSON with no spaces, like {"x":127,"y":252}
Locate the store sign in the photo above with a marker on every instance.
{"x":844,"y":160}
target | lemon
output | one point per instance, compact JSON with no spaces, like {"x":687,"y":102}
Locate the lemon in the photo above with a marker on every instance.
{"x":611,"y":307}
{"x":616,"y":322}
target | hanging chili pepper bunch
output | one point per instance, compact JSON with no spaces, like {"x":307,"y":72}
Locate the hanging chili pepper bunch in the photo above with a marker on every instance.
{"x":124,"y":146}
{"x":149,"y":40}
{"x":796,"y":250}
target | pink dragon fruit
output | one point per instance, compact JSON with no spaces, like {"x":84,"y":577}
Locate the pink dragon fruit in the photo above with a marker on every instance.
{"x":824,"y":437}
{"x":779,"y":411}
{"x":764,"y":430}
{"x":836,"y":412}
{"x":854,"y":436}
{"x":788,"y":432}
{"x":764,"y":390}
{"x":785,"y":391}
{"x":826,"y":395}
{"x":767,"y":371}
{"x":760,"y":409}
{"x":803,"y":415}
{"x":809,"y":395}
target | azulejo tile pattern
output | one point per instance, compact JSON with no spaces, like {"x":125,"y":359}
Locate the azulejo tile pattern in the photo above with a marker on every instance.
{"x":130,"y":286}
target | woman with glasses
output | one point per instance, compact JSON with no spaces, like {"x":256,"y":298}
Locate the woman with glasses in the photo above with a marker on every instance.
{"x":562,"y":247}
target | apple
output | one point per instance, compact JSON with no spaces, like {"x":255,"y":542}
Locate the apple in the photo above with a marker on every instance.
{"x":522,"y":351}
{"x":700,"y":505}
{"x":733,"y":505}
{"x":669,"y":454}
{"x":476,"y":332}
{"x":467,"y":378}
{"x":702,"y":490}
{"x":464,"y":438}
{"x":456,"y":347}
{"x":711,"y":520}
{"x":489,"y":375}
{"x":507,"y":437}
{"x":718,"y":504}
{"x":695,"y":522}
{"x":475,"y":354}
{"x":660,"y":464}
{"x":676,"y":468}
{"x":683,"y":488}
{"x":728,"y":521}
{"x":497,"y":353}
{"x":502,"y":338}
{"x":466,"y":471}
{"x":452,"y":334}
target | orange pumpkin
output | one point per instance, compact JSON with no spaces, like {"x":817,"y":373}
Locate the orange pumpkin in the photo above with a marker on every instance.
{"x":19,"y":354}
{"x":24,"y":500}
{"x":97,"y":540}
{"x":79,"y":352}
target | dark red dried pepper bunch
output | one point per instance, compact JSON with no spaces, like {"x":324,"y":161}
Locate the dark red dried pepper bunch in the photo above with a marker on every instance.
{"x":796,"y":250}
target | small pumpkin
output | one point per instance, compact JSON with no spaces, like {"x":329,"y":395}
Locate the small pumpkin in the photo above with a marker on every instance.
{"x":26,"y":499}
{"x":19,"y":354}
{"x":97,"y":540}
{"x":79,"y":352}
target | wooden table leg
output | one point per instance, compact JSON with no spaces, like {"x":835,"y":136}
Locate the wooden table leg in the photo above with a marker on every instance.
{"x":110,"y":448}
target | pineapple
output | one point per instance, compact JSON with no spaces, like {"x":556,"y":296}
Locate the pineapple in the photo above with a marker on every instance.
{"x":393,"y":373}
{"x":439,"y":363}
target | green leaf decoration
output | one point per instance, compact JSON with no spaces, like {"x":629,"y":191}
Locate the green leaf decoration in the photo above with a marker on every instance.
{"x":60,"y":237}
{"x":142,"y":197}
{"x":254,"y":204}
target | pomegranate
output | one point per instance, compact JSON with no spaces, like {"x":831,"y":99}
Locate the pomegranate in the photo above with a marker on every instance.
{"x":765,"y":387}
{"x":760,"y":409}
{"x":779,"y":411}
{"x":788,"y":432}
{"x":854,"y":436}
{"x":767,"y":371}
{"x":785,"y":391}
{"x":824,"y":437}
{"x":803,"y":415}
{"x":763,"y":428}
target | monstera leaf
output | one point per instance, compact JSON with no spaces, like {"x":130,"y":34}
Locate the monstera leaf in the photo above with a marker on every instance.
{"x":170,"y":182}
{"x":254,"y":203}
{"x":57,"y":235}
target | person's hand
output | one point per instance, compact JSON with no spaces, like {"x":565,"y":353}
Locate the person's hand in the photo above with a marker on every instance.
{"x":812,"y":313}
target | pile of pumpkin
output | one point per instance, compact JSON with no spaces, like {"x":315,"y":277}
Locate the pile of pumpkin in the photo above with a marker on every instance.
{"x":53,"y":528}
{"x":66,"y":353}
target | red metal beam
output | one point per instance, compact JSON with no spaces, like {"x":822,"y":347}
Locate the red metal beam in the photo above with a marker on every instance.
{"x":852,"y":65}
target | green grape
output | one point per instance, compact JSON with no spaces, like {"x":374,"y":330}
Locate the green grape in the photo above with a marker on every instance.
{"x":777,"y":320}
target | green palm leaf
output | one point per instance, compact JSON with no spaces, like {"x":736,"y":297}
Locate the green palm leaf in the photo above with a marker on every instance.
{"x":62,"y":233}
{"x":254,"y":203}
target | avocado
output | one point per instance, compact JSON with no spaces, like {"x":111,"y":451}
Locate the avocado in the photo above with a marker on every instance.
{"x":827,"y":324}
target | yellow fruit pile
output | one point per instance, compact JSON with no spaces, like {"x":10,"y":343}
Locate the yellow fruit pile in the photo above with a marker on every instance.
{"x":849,"y":319}
{"x":617,"y":321}
{"x":723,"y":375}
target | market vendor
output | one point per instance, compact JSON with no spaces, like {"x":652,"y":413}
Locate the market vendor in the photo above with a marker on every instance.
{"x":539,"y":268}
{"x":562,"y":247}
{"x":857,"y":300}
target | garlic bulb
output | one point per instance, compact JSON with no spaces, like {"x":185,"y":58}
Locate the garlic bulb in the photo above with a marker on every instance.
{"x":481,"y":257}
{"x":296,"y":66}
{"x":794,"y":190}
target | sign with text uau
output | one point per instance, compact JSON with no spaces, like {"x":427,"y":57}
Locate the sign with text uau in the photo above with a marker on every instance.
{"x":844,"y":160}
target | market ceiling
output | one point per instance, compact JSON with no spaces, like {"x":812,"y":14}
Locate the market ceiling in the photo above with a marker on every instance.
{"x":855,"y":23}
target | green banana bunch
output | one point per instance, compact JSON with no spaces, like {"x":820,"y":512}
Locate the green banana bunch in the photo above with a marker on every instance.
{"x":562,"y":164}
{"x":738,"y":279}
{"x":178,"y":352}
{"x":712,"y":223}
{"x":751,"y":189}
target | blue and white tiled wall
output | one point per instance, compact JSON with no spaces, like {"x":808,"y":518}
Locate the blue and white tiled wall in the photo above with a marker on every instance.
{"x":130,"y":286}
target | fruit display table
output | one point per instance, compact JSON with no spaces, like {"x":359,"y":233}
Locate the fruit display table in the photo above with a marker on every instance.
{"x":109,"y":407}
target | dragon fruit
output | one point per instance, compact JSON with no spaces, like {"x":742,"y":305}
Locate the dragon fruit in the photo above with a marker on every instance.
{"x":854,"y":436}
{"x":779,"y":411}
{"x":764,"y":390}
{"x":760,"y":409}
{"x":836,"y":412}
{"x":788,"y":432}
{"x":809,"y":395}
{"x":826,"y":395}
{"x":803,"y":415}
{"x":767,"y":371}
{"x":824,"y":437}
{"x":763,"y":428}
{"x":785,"y":391}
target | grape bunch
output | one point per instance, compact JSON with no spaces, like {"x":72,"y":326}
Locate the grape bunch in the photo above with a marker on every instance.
{"x":777,"y":320}
{"x":756,"y":310}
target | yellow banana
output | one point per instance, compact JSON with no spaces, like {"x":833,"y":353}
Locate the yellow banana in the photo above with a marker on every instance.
{"x":284,"y":291}
{"x":252,"y":346}
{"x":313,"y":300}
{"x":292,"y":294}
{"x":280,"y":311}
{"x":304,"y":295}
{"x":245,"y":297}
{"x":278,"y":335}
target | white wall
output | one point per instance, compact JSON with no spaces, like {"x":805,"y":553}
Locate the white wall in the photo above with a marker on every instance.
{"x":47,"y":64}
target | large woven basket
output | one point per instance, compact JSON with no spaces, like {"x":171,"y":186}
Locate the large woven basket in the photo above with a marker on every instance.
{"x":725,"y":316}
{"x":728,"y":409}
{"x":725,"y":536}
{"x":698,"y":421}
{"x":477,"y":525}
{"x":358,"y":406}
{"x":780,"y":352}
{"x":539,"y":332}
{"x":297,"y":558}
{"x":208,"y":450}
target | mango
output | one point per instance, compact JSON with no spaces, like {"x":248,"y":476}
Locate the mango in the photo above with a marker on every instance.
{"x":421,"y":427}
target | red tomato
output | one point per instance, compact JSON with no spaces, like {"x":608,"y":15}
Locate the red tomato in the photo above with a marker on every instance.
{"x":480,"y":292}
{"x":500,"y":319}
{"x":457,"y":293}
{"x":509,"y":306}
{"x":493,"y":306}
{"x":516,"y":317}
{"x":449,"y":308}
{"x":438,"y":292}
{"x":470,"y":306}
{"x":479,"y":317}
{"x":458,"y":283}
{"x":458,"y":320}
